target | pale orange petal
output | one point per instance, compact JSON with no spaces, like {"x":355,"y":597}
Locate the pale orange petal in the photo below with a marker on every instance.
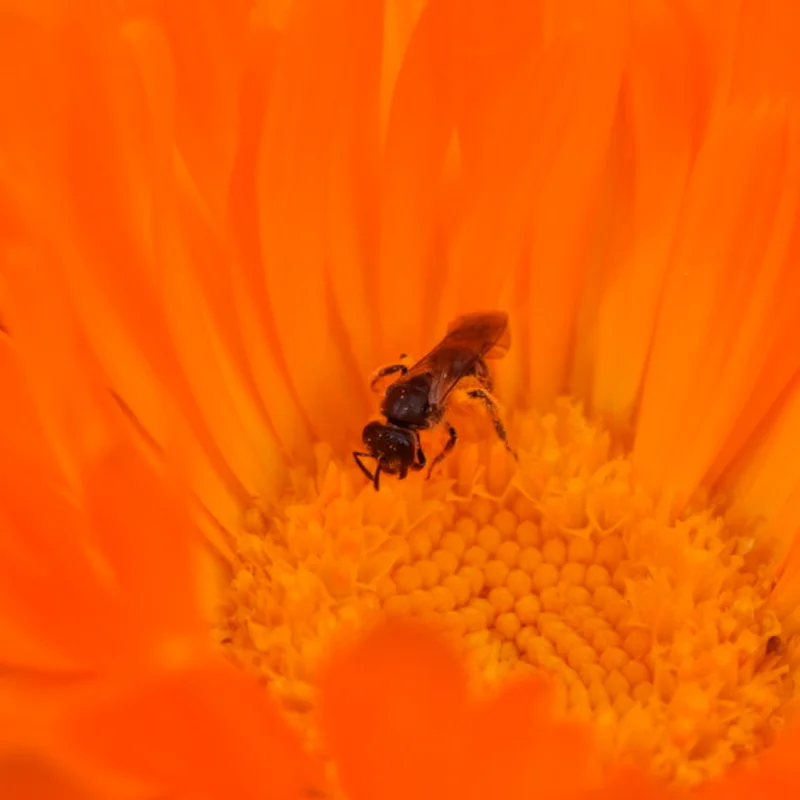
{"x":527,"y":231}
{"x":115,"y":175}
{"x":716,"y":323}
{"x":60,"y":379}
{"x":148,"y":539}
{"x":310,"y":109}
{"x":658,"y":128}
{"x":413,"y":161}
{"x":207,"y":54}
{"x":266,"y":370}
{"x":53,"y":604}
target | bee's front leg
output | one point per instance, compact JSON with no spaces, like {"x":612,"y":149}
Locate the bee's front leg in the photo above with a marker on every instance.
{"x":420,"y":460}
{"x":400,"y":368}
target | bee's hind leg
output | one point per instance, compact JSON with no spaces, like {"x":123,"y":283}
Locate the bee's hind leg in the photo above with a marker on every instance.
{"x":490,"y":404}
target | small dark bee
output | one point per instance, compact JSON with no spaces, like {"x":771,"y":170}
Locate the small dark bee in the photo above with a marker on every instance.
{"x":419,"y":398}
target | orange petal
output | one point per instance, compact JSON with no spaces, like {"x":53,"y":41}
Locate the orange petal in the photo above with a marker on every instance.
{"x":84,"y":204}
{"x":91,"y":200}
{"x":309,"y":112}
{"x":421,"y":123}
{"x":771,"y":393}
{"x":353,"y":192}
{"x":392,"y":709}
{"x":206,"y":45}
{"x":20,"y":426}
{"x":516,"y":752}
{"x":259,"y":342}
{"x":568,"y":200}
{"x":60,"y":378}
{"x":398,"y":719}
{"x":765,"y":58}
{"x":90,"y":205}
{"x":717,"y":323}
{"x":737,"y":363}
{"x":626,"y":783}
{"x":763,"y":478}
{"x":53,"y":601}
{"x":659,"y":125}
{"x":217,"y":394}
{"x":208,"y":732}
{"x":527,"y":231}
{"x":54,"y":608}
{"x":28,"y":776}
{"x":147,"y":538}
{"x":202,"y":318}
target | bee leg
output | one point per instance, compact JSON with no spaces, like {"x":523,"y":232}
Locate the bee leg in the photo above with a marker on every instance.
{"x":421,"y":460}
{"x":483,"y":375}
{"x":491,"y":407}
{"x":384,"y":372}
{"x":390,"y":369}
{"x":446,"y":450}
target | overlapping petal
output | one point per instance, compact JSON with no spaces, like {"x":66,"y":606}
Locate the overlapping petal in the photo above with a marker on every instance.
{"x":398,"y":703}
{"x":103,"y":633}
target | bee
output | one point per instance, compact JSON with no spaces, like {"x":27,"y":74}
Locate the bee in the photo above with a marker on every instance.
{"x":419,"y":397}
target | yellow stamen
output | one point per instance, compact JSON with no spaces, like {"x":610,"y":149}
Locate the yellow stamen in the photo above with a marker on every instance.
{"x":659,"y":632}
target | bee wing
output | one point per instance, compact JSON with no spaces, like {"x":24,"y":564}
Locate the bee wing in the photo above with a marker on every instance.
{"x":485,"y":331}
{"x":468,"y":338}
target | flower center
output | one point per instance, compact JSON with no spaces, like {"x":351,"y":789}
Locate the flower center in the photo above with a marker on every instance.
{"x":657,"y":631}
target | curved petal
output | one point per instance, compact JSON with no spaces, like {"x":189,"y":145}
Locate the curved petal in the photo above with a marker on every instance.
{"x":312,"y":115}
{"x":399,"y":720}
{"x":727,"y":274}
{"x":659,"y":124}
{"x":527,"y":230}
{"x":406,"y":283}
{"x":724,"y":321}
{"x":87,"y":192}
{"x":395,"y":704}
{"x":206,"y":46}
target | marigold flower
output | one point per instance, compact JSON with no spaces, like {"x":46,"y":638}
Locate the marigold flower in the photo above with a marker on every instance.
{"x":217,"y":220}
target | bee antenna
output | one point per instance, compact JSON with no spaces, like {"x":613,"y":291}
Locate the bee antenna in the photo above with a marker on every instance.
{"x":357,"y":456}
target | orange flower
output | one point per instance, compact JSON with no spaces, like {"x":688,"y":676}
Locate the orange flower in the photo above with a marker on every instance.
{"x":217,"y":220}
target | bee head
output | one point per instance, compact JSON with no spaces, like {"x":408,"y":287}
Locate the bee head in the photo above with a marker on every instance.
{"x":393,"y":447}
